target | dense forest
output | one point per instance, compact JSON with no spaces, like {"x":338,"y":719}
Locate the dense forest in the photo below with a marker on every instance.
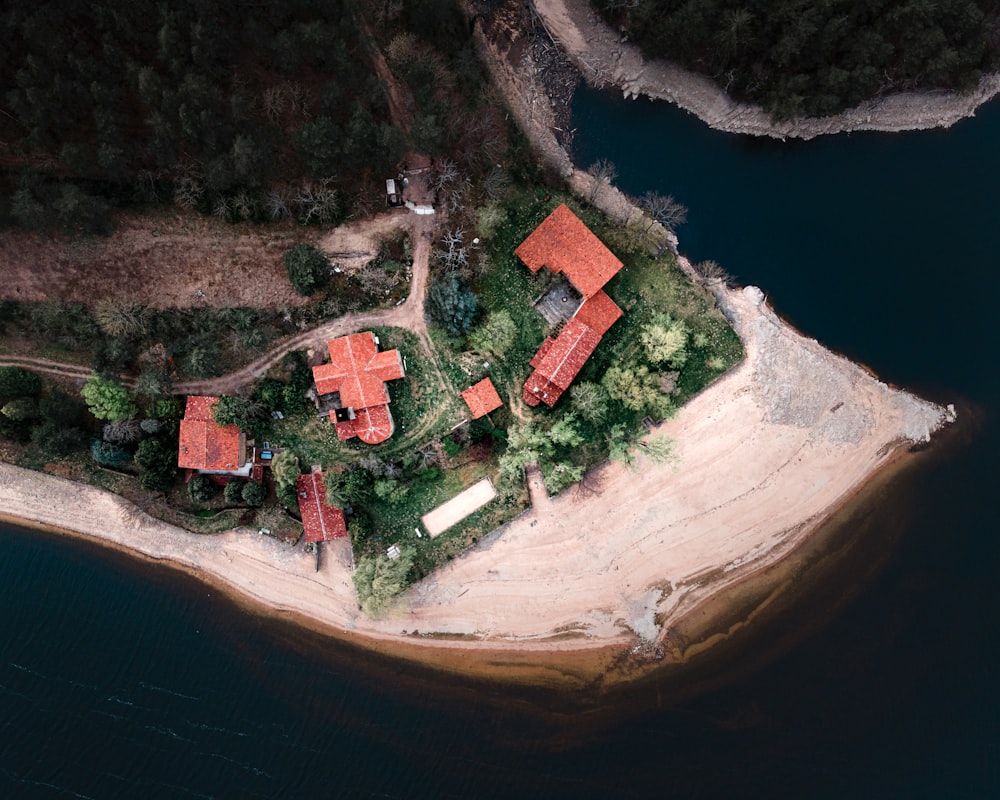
{"x":246,"y":110}
{"x":818,"y":57}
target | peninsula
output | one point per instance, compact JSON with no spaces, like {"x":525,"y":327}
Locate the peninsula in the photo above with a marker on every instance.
{"x":762,"y":457}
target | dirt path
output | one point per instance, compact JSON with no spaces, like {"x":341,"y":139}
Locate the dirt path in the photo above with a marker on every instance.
{"x":602,"y":58}
{"x":409,"y":315}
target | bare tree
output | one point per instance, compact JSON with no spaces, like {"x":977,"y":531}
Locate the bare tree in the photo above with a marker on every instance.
{"x":603,"y":172}
{"x":221,"y":208}
{"x":496,"y":183}
{"x":317,"y":202}
{"x":663,"y":209}
{"x":273,"y":102}
{"x":711,"y":272}
{"x":276,"y":204}
{"x":120,"y":318}
{"x":445,"y":171}
{"x":188,"y":190}
{"x":123,"y":431}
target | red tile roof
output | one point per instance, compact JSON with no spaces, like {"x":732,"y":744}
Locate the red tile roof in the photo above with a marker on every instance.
{"x":558,"y":361}
{"x":371,"y":425}
{"x":482,"y":398}
{"x":203,"y":443}
{"x":321,"y":522}
{"x":358,"y":371}
{"x":598,"y":313}
{"x":562,"y":243}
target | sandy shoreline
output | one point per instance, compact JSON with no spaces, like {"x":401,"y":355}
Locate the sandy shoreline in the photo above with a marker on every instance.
{"x":762,"y":462}
{"x":604,"y":60}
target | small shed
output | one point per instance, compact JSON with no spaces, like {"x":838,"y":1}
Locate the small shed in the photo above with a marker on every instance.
{"x":482,"y":398}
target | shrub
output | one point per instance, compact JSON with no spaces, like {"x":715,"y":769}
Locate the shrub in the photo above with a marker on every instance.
{"x":233,"y":493}
{"x":254,"y":494}
{"x":308,"y":269}
{"x":451,"y":304}
{"x":201,"y":489}
{"x":108,"y":454}
{"x":19,"y":382}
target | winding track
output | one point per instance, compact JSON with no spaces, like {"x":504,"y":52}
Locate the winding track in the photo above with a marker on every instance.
{"x":408,"y":315}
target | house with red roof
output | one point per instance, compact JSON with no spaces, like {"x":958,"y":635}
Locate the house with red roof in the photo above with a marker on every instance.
{"x":565,"y":246}
{"x":353,"y":386}
{"x":321,"y":522}
{"x":482,"y":398}
{"x":205,"y":446}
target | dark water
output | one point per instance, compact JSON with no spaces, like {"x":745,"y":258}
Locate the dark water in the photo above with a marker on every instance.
{"x":124,"y":680}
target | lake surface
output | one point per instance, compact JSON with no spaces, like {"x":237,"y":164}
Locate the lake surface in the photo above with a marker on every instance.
{"x":124,"y":680}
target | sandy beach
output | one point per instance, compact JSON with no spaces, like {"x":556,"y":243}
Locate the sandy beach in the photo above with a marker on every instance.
{"x":764,"y":455}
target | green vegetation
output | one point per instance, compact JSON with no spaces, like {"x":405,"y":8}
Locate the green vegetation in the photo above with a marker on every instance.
{"x":107,"y":399}
{"x":308,"y":269}
{"x":817,"y":58}
{"x":379,"y":580}
{"x":451,"y":304}
{"x":250,"y":112}
{"x":201,"y":489}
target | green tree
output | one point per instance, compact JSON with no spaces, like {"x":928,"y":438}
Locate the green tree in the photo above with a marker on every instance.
{"x":378,"y":581}
{"x":589,"y":400}
{"x":20,"y":409}
{"x":664,"y":340}
{"x":201,"y":489}
{"x":243,"y":412}
{"x":253,"y":494}
{"x":391,"y":491}
{"x":564,"y":432}
{"x":308,"y":268}
{"x":19,"y":382}
{"x":285,"y":468}
{"x":159,"y":462}
{"x":108,"y":399}
{"x":233,"y":493}
{"x":560,"y":475}
{"x":496,"y":334}
{"x":154,"y":453}
{"x":635,"y":387}
{"x":451,"y":304}
{"x":347,"y":488}
{"x":51,"y":437}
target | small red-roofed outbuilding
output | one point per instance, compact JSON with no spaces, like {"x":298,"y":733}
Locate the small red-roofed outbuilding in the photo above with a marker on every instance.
{"x":482,"y":398}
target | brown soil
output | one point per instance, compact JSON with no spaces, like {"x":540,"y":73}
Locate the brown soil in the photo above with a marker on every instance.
{"x":163,"y":259}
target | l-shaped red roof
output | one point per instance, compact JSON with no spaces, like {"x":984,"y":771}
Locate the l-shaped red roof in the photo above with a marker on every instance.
{"x":562,"y":243}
